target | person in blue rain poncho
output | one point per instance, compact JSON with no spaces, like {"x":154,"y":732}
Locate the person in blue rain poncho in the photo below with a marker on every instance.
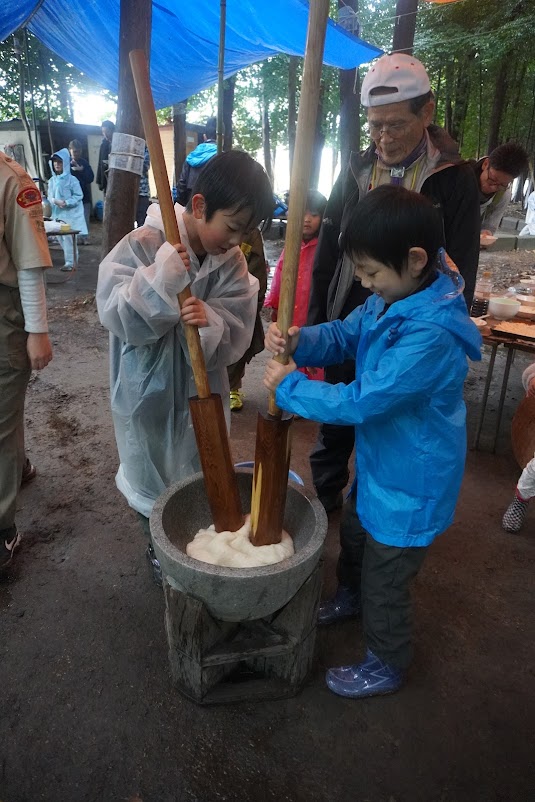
{"x":196,"y":160}
{"x":411,"y":340}
{"x":67,"y":199}
{"x":138,"y":283}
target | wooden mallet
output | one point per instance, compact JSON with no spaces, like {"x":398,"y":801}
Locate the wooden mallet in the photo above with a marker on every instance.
{"x":273,"y":442}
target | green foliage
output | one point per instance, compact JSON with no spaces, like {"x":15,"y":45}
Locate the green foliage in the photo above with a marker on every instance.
{"x":475,"y":38}
{"x":41,"y":69}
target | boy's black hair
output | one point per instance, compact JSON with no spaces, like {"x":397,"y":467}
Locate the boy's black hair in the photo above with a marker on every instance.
{"x":210,"y":129}
{"x":234,"y":181}
{"x":509,"y":158}
{"x":387,"y":223}
{"x":316,"y":202}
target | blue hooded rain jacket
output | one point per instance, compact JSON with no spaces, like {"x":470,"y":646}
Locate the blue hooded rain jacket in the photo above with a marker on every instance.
{"x":406,"y":404}
{"x":67,"y":188}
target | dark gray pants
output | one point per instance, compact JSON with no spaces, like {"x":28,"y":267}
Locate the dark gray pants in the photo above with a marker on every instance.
{"x":381,"y":574}
{"x":332,"y":452}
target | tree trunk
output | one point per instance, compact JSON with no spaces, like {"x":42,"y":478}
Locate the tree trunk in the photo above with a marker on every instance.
{"x":405,"y":26}
{"x":44,"y":68}
{"x":228,"y":111}
{"x":349,"y":82}
{"x":448,"y":80}
{"x":123,"y":187}
{"x":512,"y":113}
{"x":319,"y":141}
{"x":349,"y":114}
{"x":498,"y":104}
{"x":64,"y":98}
{"x":480,"y":110}
{"x":17,"y":48}
{"x":266,"y":134}
{"x":292,"y":106}
{"x":529,"y":140}
{"x":179,"y":138}
{"x":437,"y":94}
{"x":266,"y":141}
{"x":462,"y":94}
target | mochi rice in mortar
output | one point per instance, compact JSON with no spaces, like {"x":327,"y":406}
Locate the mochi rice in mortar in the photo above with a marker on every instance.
{"x":235,"y":550}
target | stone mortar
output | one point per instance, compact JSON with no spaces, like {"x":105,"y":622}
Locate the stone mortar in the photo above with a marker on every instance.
{"x":234,"y":594}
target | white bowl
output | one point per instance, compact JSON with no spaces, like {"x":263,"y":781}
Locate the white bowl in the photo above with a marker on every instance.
{"x":503,"y":308}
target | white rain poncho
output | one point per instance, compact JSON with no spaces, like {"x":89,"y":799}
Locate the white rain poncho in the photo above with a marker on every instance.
{"x":150,"y":377}
{"x":529,"y":228}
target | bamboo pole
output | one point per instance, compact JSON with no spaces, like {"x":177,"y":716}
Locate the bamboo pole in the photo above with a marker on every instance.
{"x":273,"y":446}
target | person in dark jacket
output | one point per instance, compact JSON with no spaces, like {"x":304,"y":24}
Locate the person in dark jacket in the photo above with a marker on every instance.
{"x":82,"y":170}
{"x":104,"y":154}
{"x":407,"y":150}
{"x":196,"y":160}
{"x":495,"y":173}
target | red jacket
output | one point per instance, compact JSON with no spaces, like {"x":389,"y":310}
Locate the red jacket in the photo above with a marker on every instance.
{"x":304,"y":283}
{"x":302,"y":293}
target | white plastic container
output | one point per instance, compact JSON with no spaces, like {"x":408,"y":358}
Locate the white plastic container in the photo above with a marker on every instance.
{"x":503,"y":308}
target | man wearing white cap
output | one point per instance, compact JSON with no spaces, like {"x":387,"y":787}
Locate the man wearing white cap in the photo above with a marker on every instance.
{"x":408,"y":150}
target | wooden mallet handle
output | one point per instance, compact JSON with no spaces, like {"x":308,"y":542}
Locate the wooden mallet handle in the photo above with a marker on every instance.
{"x":140,"y":71}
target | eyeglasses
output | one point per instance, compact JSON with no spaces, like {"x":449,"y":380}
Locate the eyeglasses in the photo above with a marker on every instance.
{"x":493,"y":182}
{"x":395,"y":130}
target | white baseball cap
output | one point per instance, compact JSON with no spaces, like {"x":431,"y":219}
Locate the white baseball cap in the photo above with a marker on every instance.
{"x":399,"y":77}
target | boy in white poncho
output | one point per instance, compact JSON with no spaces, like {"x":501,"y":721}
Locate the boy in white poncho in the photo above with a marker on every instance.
{"x":151,"y":379}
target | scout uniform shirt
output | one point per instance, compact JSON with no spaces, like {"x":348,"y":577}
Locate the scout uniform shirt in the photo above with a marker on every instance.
{"x":21,"y":216}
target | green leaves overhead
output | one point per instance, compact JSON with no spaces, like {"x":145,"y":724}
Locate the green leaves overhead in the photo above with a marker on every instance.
{"x":42,"y":70}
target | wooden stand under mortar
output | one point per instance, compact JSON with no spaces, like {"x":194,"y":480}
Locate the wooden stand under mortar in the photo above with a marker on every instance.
{"x":216,"y":662}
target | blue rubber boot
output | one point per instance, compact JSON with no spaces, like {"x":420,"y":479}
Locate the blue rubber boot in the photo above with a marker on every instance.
{"x":344,"y":604}
{"x":370,"y":678}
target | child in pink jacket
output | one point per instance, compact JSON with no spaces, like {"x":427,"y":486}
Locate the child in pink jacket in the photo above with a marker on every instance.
{"x":525,"y":489}
{"x":315,"y":207}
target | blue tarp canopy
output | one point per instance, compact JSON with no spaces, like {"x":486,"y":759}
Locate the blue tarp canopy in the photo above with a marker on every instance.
{"x":185,"y":38}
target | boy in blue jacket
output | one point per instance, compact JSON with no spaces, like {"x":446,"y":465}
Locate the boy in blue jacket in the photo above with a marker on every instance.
{"x":410,"y":339}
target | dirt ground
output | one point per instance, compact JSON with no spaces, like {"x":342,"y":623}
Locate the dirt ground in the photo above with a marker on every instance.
{"x":88,"y":711}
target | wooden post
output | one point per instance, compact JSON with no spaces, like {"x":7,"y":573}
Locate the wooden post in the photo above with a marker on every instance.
{"x":123,"y":187}
{"x":273,"y":447}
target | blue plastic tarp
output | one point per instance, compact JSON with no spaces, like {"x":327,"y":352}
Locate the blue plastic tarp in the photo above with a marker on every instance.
{"x":185,"y":38}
